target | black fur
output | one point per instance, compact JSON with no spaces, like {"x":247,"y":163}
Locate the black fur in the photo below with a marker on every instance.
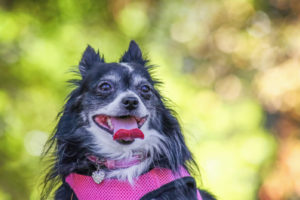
{"x":71,"y":141}
{"x":133,"y":54}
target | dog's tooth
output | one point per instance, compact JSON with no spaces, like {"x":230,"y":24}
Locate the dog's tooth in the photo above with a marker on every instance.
{"x":109,"y":123}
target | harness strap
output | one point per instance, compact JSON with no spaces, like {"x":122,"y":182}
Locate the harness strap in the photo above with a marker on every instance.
{"x":86,"y":189}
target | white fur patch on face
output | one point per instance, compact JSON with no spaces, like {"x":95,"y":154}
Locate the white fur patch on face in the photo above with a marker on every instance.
{"x":111,"y":77}
{"x":139,"y":79}
{"x":127,"y":66}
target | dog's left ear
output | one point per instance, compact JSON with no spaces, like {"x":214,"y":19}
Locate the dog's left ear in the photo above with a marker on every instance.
{"x":133,"y":54}
{"x":88,"y":60}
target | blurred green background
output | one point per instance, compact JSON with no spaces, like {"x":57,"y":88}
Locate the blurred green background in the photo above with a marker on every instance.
{"x":231,"y":68}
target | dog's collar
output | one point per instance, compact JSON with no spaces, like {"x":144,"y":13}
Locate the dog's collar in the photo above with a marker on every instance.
{"x":136,"y":158}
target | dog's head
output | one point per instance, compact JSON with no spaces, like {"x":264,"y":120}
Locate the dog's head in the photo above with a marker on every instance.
{"x":115,"y":97}
{"x":114,"y":111}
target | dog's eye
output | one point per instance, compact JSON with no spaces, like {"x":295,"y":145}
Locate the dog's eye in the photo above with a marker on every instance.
{"x":105,"y":87}
{"x":145,"y":88}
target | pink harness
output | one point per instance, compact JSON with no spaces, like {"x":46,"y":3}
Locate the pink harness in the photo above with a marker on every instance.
{"x":86,"y":189}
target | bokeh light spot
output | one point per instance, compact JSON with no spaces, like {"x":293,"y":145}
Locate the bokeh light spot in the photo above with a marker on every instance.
{"x":133,"y":20}
{"x":34,"y":142}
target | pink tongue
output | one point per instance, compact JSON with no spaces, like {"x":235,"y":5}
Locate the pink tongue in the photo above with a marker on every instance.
{"x":126,"y":128}
{"x":126,"y":123}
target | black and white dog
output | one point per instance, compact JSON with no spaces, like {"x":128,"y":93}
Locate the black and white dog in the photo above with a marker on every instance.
{"x":115,"y":126}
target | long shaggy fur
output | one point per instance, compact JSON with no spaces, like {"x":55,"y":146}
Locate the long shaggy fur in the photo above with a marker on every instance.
{"x":71,"y":141}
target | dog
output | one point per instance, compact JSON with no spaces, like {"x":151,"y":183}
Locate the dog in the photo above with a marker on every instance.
{"x":117,"y":139}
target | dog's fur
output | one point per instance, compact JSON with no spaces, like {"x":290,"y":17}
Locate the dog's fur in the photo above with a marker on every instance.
{"x":77,"y":134}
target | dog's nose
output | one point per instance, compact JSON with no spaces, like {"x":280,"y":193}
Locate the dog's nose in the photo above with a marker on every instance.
{"x":130,"y":103}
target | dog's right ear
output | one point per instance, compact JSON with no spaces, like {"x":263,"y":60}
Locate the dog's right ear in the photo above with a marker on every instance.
{"x":88,"y":60}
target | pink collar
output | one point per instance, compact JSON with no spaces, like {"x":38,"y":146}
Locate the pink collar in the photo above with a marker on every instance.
{"x":86,"y":189}
{"x":136,"y":158}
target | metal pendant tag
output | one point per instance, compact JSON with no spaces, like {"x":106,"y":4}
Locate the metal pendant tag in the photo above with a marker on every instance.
{"x":98,"y":176}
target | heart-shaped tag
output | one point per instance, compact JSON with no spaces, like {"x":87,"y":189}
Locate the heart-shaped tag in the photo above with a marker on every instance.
{"x":98,"y":176}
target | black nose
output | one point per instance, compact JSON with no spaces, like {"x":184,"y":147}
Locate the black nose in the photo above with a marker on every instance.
{"x":130,"y":103}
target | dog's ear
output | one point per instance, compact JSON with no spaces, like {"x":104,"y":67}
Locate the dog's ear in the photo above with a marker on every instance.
{"x":89,"y":58}
{"x":133,"y":54}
